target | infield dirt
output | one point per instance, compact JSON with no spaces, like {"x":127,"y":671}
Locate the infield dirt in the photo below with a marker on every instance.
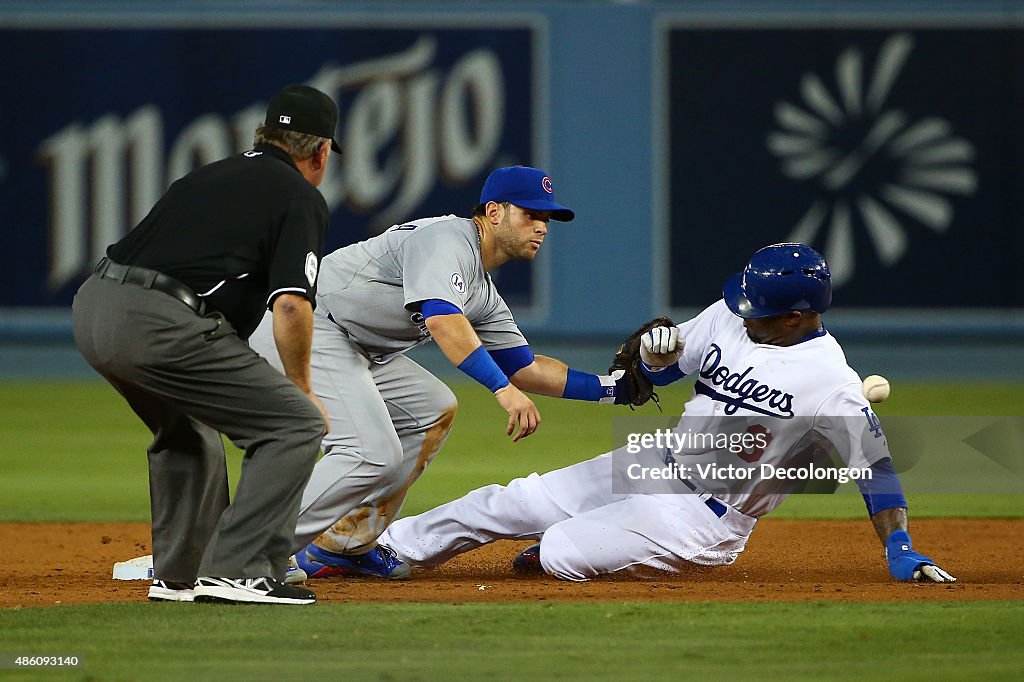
{"x":786,"y":560}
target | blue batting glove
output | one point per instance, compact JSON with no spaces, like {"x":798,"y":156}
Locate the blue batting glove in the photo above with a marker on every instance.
{"x":906,"y":564}
{"x":903,"y":560}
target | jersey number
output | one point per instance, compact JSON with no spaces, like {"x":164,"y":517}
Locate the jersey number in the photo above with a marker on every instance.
{"x":762,"y":437}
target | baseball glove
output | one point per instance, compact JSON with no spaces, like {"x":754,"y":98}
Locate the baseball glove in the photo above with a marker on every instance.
{"x":633,"y":388}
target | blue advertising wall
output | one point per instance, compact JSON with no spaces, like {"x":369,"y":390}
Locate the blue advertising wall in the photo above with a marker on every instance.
{"x":684,"y":134}
{"x":427,"y":114}
{"x":893,"y":150}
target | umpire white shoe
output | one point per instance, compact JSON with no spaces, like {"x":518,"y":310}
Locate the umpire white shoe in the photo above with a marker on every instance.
{"x":250,"y":591}
{"x":165,"y":590}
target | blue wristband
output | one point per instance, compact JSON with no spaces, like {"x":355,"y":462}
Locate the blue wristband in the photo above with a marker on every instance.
{"x":481,"y":366}
{"x":662,"y":377}
{"x":583,"y":386}
{"x":902,"y":558}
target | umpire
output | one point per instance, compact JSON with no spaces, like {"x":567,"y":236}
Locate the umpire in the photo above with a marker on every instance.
{"x":165,"y":318}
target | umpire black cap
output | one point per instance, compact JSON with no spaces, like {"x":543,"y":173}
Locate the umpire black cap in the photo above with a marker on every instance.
{"x":305,"y":110}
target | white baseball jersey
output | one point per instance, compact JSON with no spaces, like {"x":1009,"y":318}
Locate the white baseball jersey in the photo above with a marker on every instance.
{"x":801,"y":399}
{"x":805,"y":396}
{"x":365,"y":287}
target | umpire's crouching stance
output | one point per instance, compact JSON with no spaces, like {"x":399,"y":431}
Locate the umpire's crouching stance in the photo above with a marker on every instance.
{"x":164,"y":319}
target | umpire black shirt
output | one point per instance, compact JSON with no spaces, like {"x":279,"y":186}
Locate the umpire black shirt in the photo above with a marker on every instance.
{"x":238,"y":232}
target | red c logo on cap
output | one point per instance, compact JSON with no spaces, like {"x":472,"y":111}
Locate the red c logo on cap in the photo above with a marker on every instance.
{"x":546,"y":184}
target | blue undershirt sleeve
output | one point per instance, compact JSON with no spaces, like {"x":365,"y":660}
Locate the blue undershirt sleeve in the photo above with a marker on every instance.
{"x":511,"y":360}
{"x":883,"y":490}
{"x":436,"y":306}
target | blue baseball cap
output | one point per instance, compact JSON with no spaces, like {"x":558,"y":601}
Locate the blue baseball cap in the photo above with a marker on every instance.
{"x":527,"y":188}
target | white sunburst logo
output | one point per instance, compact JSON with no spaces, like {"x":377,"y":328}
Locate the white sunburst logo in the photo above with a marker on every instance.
{"x":869,"y":162}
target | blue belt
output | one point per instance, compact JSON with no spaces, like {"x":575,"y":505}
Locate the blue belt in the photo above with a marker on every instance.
{"x":716,"y":507}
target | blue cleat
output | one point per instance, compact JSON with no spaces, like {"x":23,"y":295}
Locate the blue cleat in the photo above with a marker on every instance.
{"x":528,"y":561}
{"x":380,"y":562}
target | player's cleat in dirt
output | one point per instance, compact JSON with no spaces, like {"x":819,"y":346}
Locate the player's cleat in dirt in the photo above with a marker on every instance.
{"x":294,"y":574}
{"x":527,"y":562}
{"x":380,"y":562}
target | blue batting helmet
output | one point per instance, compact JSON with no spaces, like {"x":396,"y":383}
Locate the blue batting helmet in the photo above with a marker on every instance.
{"x":780,"y":278}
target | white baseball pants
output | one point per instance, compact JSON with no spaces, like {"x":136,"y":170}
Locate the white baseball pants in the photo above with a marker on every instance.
{"x":585,"y":528}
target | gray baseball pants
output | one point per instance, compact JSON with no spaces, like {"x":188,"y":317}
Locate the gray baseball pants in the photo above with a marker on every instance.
{"x":190,"y":379}
{"x":388,"y":421}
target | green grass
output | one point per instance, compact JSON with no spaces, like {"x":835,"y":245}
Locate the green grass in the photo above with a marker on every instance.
{"x":526,"y":641}
{"x":74,"y":451}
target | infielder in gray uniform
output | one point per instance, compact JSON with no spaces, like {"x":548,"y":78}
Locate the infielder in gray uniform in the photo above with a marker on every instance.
{"x":389,"y":417}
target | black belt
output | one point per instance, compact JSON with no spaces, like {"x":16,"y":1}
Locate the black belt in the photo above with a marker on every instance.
{"x":714,"y":505}
{"x":150,"y":279}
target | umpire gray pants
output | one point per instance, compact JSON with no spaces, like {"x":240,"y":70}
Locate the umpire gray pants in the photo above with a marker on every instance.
{"x":191,"y":378}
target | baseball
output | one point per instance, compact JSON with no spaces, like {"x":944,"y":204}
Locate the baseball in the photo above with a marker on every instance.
{"x":875,"y":388}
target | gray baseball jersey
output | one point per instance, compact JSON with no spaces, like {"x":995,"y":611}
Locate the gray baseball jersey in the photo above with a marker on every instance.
{"x":389,"y":416}
{"x":371,"y":290}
